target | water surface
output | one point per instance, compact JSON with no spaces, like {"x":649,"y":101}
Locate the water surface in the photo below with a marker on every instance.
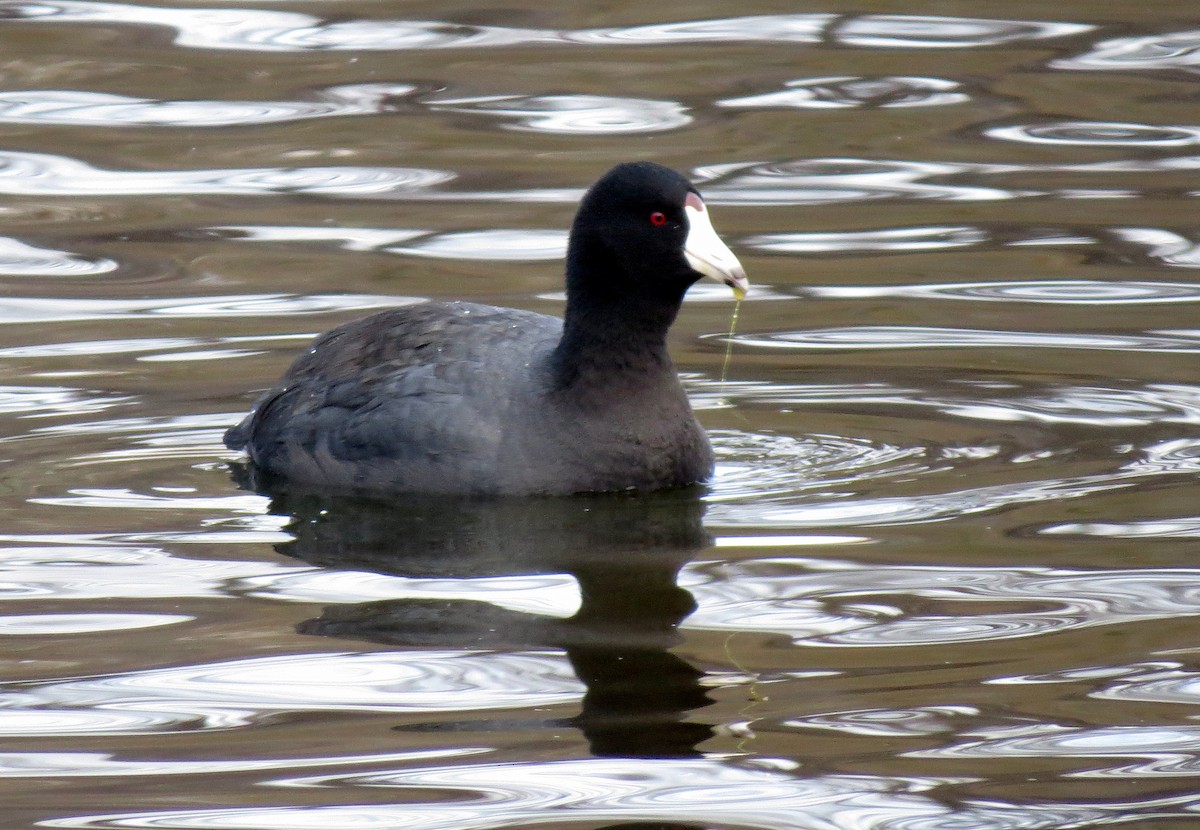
{"x":944,"y":576}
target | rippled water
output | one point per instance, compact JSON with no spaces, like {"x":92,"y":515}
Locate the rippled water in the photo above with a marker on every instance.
{"x":945,"y":575}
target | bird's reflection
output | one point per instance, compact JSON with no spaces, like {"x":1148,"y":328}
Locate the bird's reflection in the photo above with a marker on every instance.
{"x":625,"y":551}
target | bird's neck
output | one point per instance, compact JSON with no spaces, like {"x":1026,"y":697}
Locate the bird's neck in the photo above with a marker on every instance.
{"x":615,"y":325}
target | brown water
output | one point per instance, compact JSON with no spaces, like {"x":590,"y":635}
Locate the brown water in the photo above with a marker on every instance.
{"x":946,"y":575}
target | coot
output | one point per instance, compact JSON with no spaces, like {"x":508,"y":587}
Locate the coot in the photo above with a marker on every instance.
{"x":456,"y":397}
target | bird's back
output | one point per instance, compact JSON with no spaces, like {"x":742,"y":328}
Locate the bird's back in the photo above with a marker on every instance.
{"x":415,"y":398}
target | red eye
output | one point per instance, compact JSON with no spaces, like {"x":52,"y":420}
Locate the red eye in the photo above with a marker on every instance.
{"x":658,"y":218}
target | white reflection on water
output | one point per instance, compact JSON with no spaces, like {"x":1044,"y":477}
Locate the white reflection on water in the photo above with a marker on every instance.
{"x":96,"y":764}
{"x":886,"y":239}
{"x":559,"y":114}
{"x":854,"y":92}
{"x":931,"y":337}
{"x":1173,"y":50}
{"x":65,"y":572}
{"x":594,"y":790}
{"x":831,"y":180}
{"x":892,"y":723}
{"x":45,"y":174}
{"x":763,"y":794}
{"x":97,"y":109}
{"x":511,"y":244}
{"x":778,"y":465}
{"x":1098,"y":134}
{"x":931,"y":32}
{"x":776,"y":28}
{"x":1169,"y":751}
{"x":131,"y":439}
{"x":55,"y":310}
{"x":823,"y":602}
{"x":129,"y":500}
{"x":20,"y":259}
{"x":1184,"y":527}
{"x":552,"y":595}
{"x":239,"y":693}
{"x":41,"y":723}
{"x":1163,"y":246}
{"x":50,"y":401}
{"x":84,"y":348}
{"x":116,"y":567}
{"x":52,"y":625}
{"x":1057,"y":292}
{"x":285,"y":31}
{"x":1167,"y":247}
{"x":1151,"y":682}
{"x":778,"y":498}
{"x":791,"y":182}
{"x":573,"y":114}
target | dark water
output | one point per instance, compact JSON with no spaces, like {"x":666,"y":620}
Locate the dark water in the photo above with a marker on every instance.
{"x":946,"y":574}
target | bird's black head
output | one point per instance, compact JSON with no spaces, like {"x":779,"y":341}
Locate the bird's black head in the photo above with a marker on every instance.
{"x":642,"y":230}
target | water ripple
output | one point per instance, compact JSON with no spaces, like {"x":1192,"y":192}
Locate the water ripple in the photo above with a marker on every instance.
{"x":776,"y":28}
{"x":53,"y":625}
{"x":81,"y":348}
{"x":268,"y":31}
{"x":1167,"y":247}
{"x":97,"y":109}
{"x":1098,"y":134}
{"x":509,"y":245}
{"x":43,"y":174}
{"x":129,"y":500}
{"x":284,"y":31}
{"x":838,"y":603}
{"x":1091,"y":405}
{"x":1173,"y":50}
{"x":65,"y":572}
{"x":891,"y":723}
{"x":771,"y":465}
{"x":930,"y":337}
{"x":924,"y":31}
{"x":886,"y":239}
{"x":1164,"y":246}
{"x":767,"y":480}
{"x":558,"y":114}
{"x":1049,"y":404}
{"x":734,"y":506}
{"x":51,"y":401}
{"x":551,"y":595}
{"x":186,"y":438}
{"x":792,"y":182}
{"x":836,"y":180}
{"x":1058,"y":292}
{"x":96,"y":764}
{"x":23,"y":260}
{"x":42,"y":723}
{"x":240,"y":692}
{"x":574,"y":114}
{"x":1169,"y":751}
{"x":53,"y":310}
{"x":827,"y":181}
{"x":764,"y":794}
{"x":854,"y":92}
{"x":1164,"y":682}
{"x":1186,"y":527}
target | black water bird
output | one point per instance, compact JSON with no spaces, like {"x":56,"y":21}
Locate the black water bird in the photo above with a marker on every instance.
{"x":456,"y":397}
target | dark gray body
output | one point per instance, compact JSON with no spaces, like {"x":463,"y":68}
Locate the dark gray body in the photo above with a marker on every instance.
{"x":466,"y":399}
